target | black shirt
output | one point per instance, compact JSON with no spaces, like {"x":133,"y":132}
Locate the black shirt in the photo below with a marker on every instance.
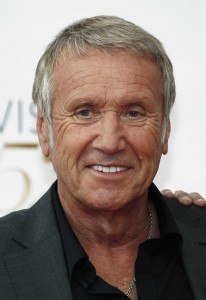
{"x":159,"y":271}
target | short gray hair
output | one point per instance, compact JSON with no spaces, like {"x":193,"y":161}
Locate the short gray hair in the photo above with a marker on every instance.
{"x":104,"y":33}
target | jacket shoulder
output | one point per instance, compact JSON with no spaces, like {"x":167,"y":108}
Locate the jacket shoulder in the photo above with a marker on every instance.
{"x":8,"y":225}
{"x":9,"y":222}
{"x":26,"y":221}
{"x":185,"y":214}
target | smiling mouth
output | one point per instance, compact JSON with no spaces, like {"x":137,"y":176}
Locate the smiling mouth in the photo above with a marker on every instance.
{"x":111,"y":169}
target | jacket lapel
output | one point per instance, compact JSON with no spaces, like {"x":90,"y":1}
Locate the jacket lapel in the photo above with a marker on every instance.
{"x":194,"y":256}
{"x":40,"y":273}
{"x":36,"y":263}
{"x":191,"y":223}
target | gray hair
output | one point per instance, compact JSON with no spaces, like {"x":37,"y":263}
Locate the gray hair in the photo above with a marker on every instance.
{"x":104,"y":33}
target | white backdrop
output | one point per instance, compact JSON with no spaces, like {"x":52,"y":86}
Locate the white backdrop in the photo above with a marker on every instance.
{"x":27,"y":26}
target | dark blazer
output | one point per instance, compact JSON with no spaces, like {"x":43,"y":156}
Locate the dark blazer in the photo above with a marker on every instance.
{"x":32,"y":263}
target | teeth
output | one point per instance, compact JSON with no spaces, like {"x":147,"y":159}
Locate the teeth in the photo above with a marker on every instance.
{"x":108,"y":169}
{"x":105,"y":170}
{"x":100,"y":168}
{"x":112,"y":170}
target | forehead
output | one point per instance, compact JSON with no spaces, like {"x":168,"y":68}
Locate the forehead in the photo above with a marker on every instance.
{"x":98,"y":70}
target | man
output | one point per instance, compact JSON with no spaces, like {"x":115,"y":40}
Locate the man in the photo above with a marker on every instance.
{"x":104,"y":89}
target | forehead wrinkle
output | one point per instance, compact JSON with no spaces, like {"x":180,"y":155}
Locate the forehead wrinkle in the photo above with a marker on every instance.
{"x":106,"y":81}
{"x":70,"y":79}
{"x":110,"y":74}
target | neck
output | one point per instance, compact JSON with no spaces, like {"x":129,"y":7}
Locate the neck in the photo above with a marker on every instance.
{"x":127,"y":226}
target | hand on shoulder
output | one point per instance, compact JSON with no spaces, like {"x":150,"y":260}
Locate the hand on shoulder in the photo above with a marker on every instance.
{"x":185,"y":198}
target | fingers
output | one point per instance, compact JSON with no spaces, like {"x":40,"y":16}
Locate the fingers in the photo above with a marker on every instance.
{"x":197,"y":199}
{"x":185,"y":198}
{"x":168,"y":193}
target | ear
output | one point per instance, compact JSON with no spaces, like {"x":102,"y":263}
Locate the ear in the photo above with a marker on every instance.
{"x":166,"y":138}
{"x":43,"y":134}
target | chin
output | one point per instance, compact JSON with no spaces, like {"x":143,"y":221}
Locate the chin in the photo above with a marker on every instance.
{"x":107,"y":204}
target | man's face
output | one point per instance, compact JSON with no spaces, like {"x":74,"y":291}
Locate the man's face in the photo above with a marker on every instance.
{"x":107,"y":124}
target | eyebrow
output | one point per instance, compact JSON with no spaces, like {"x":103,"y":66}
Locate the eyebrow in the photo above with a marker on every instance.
{"x":97,"y":101}
{"x":76,"y":103}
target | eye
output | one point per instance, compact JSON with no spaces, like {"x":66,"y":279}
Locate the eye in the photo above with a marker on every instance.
{"x":87,"y":114}
{"x":133,"y":113}
{"x":84,"y":113}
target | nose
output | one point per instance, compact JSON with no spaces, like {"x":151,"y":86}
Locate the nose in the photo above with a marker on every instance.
{"x":110,"y":137}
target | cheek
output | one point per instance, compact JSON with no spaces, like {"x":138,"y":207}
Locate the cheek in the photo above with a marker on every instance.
{"x":148,"y":151}
{"x":147,"y":143}
{"x":70,"y":141}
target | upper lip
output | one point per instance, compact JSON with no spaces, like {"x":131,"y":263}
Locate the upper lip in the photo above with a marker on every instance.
{"x":109,"y":165}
